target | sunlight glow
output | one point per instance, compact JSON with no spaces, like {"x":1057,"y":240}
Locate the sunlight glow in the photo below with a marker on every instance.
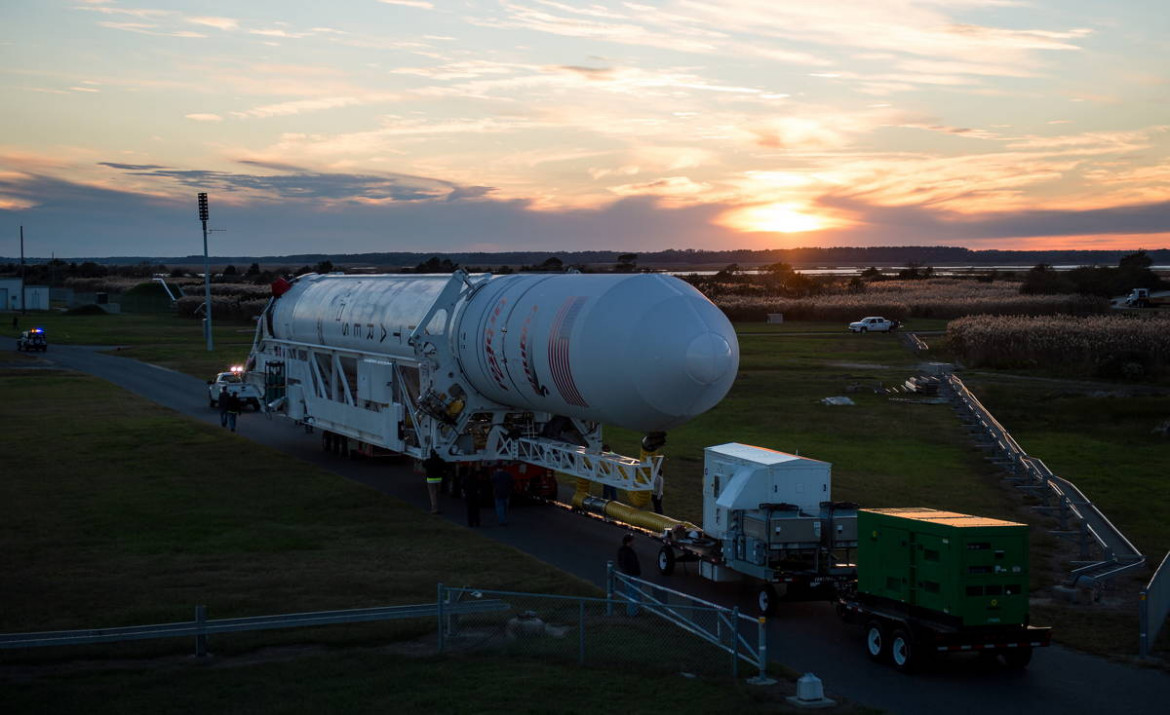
{"x":776,"y":218}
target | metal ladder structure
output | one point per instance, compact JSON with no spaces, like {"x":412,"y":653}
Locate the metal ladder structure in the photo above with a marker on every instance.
{"x":1078,"y":518}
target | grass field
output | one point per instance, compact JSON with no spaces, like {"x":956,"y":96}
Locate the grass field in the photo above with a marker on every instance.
{"x":117,"y":511}
{"x":377,"y":682}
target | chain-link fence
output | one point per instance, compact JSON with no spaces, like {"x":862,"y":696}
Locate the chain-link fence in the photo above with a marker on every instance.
{"x":639,"y":625}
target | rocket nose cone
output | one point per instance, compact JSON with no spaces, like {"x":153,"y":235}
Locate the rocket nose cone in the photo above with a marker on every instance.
{"x":709,"y":358}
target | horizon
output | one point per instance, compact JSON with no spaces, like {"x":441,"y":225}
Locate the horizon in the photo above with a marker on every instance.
{"x":990,"y":256}
{"x":542,"y":125}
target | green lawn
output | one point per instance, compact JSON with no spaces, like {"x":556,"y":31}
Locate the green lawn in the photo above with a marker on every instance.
{"x":370,"y":681}
{"x":116,"y":511}
{"x":1103,"y":444}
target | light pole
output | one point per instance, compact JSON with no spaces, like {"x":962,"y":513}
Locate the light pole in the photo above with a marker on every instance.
{"x":206,"y":274}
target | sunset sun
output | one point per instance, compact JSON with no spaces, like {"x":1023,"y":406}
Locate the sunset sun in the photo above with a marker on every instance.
{"x":776,"y":218}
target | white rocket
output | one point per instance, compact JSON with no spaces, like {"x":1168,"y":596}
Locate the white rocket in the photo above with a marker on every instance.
{"x":465,"y":364}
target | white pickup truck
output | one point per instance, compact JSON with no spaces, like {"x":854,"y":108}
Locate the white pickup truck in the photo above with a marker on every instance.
{"x":233,"y":380}
{"x":874,"y":324}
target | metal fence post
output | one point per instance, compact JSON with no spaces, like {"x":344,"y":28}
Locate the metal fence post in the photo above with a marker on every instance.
{"x":439,"y":613}
{"x":762,"y":653}
{"x":1144,"y":624}
{"x":201,"y":631}
{"x":609,"y":579}
{"x":735,"y":643}
{"x":581,"y":634}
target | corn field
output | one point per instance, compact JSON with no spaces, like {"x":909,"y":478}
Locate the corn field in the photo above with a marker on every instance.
{"x":935,"y":298}
{"x":1100,"y":345}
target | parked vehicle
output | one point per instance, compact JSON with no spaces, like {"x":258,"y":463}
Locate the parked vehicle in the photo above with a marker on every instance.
{"x":233,"y":380}
{"x":874,"y":324}
{"x":1141,"y":298}
{"x":32,"y":340}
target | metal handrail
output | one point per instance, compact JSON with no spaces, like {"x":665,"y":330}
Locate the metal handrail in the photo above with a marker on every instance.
{"x":1155,"y":606}
{"x":1121,"y":554}
{"x":201,"y":628}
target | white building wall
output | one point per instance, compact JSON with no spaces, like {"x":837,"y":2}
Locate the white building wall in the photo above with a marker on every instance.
{"x":37,"y":297}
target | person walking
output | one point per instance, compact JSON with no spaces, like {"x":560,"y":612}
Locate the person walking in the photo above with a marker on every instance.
{"x":434,"y":467}
{"x":233,"y":410}
{"x":222,"y":401}
{"x":627,"y":562}
{"x":502,"y":491}
{"x":656,"y":487}
{"x":471,"y":487}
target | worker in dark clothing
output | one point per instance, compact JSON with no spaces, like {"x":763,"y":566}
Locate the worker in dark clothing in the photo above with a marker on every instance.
{"x":435,"y":468}
{"x":222,"y":401}
{"x":502,"y":491}
{"x":233,"y":409}
{"x":471,"y":488}
{"x":627,"y":563}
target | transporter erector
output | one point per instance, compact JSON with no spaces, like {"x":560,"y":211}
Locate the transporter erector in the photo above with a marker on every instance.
{"x":523,"y":367}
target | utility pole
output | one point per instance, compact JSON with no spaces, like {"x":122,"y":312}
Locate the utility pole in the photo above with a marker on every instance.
{"x":206,"y":274}
{"x":23,"y":307}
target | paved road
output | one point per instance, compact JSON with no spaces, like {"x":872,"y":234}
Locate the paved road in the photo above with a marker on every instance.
{"x":807,"y":637}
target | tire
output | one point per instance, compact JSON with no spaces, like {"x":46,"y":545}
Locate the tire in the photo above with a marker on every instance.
{"x":666,"y":560}
{"x":766,"y":599}
{"x":1015,"y":658}
{"x":255,"y":404}
{"x":864,"y":330}
{"x":902,"y":651}
{"x":875,"y":641}
{"x":211,"y":403}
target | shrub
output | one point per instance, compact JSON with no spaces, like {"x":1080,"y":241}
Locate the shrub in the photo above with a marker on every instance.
{"x":934,"y":298}
{"x":1131,"y":347}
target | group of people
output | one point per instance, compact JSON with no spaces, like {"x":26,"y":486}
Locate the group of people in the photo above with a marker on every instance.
{"x":475,"y":485}
{"x":229,"y":408}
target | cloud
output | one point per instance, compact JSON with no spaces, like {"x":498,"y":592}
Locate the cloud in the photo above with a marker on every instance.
{"x":219,"y":23}
{"x":421,"y":4}
{"x":303,"y":220}
{"x":292,"y":183}
{"x":204,"y":117}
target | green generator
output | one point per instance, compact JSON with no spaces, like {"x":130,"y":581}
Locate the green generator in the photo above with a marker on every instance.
{"x":970,"y":570}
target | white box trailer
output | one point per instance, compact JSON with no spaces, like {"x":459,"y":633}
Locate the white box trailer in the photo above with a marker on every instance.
{"x":767,"y":517}
{"x":740,"y":477}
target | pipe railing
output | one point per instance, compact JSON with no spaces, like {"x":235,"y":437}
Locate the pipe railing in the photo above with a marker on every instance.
{"x":1118,"y":553}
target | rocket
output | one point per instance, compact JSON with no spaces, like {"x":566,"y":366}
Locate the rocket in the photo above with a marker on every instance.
{"x":643,"y":351}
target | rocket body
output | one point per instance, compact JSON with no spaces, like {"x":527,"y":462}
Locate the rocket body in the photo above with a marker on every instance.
{"x":643,"y":351}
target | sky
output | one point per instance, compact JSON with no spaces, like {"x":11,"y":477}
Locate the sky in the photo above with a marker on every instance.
{"x":358,"y":126}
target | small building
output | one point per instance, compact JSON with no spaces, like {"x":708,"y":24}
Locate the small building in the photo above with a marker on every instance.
{"x":35,"y":297}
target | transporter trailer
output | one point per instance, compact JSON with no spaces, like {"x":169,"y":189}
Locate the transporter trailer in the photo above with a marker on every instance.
{"x":933,"y":582}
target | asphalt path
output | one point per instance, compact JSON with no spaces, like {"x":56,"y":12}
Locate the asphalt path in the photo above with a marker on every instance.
{"x":807,"y":637}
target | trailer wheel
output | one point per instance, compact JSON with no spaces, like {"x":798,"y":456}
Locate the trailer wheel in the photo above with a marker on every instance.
{"x":875,"y":640}
{"x":902,"y":651}
{"x":766,"y":600}
{"x":1016,"y":658}
{"x":666,"y":560}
